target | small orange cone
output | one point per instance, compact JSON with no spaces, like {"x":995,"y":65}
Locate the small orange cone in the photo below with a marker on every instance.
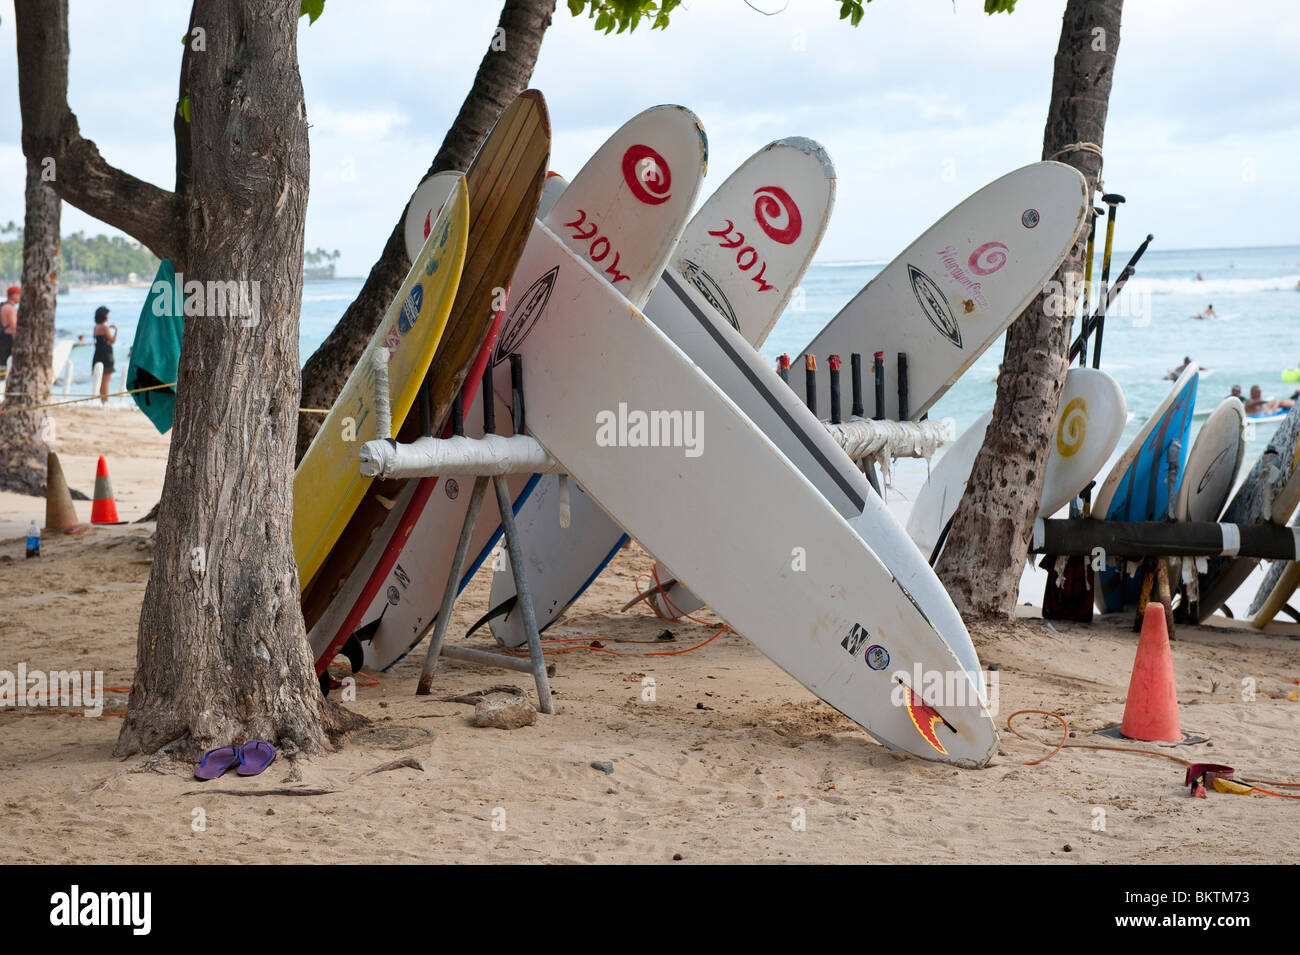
{"x":1151,"y":711}
{"x":104,"y":509}
{"x":60,"y":514}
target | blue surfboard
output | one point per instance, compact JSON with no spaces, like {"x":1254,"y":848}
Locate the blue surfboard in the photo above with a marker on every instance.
{"x":1143,"y":491}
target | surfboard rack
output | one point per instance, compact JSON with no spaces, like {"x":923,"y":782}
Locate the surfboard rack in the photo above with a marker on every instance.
{"x":489,"y":459}
{"x":1138,"y":540}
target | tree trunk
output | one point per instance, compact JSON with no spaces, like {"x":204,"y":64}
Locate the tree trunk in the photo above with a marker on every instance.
{"x":222,"y":655}
{"x":24,"y":433}
{"x":502,"y":75}
{"x":986,"y":550}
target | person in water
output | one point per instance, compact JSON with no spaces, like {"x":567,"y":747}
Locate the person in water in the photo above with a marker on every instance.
{"x":9,"y":323}
{"x":1236,"y":392}
{"x":105,"y":337}
{"x":1257,"y":405}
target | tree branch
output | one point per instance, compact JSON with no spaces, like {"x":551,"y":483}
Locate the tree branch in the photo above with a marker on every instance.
{"x":50,"y":132}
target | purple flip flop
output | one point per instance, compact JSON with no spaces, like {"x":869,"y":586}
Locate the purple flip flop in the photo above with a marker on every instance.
{"x":217,"y":761}
{"x":255,"y":756}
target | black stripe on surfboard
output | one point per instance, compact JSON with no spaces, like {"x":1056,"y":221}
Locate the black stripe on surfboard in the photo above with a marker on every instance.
{"x":500,"y":610}
{"x":854,"y":497}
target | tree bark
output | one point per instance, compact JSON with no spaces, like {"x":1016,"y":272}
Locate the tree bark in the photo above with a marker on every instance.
{"x":982,"y":562}
{"x":222,"y":655}
{"x":502,"y":75}
{"x":24,"y":433}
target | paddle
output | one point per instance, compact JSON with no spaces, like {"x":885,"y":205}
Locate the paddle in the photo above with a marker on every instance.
{"x":1112,"y":200}
{"x":1094,"y":321}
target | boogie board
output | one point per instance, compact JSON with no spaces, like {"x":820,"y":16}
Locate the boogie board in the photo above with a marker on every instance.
{"x":957,"y":287}
{"x":1088,"y":427}
{"x":1137,"y":488}
{"x":1270,"y":492}
{"x":328,"y":486}
{"x":658,"y":158}
{"x":505,"y":180}
{"x":776,"y":561}
{"x":1275,"y":592}
{"x":745,"y":251}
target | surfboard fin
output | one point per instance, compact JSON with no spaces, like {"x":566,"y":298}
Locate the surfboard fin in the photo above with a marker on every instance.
{"x":500,"y":610}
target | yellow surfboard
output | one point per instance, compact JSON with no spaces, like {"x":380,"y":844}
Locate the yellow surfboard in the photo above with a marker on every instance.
{"x":328,"y":486}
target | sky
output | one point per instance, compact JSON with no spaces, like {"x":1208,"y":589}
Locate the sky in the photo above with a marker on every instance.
{"x":921,"y":105}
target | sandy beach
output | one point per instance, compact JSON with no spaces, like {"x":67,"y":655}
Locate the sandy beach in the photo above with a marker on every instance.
{"x":727,"y":760}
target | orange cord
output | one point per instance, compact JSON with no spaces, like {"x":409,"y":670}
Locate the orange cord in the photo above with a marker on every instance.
{"x":1065,"y":744}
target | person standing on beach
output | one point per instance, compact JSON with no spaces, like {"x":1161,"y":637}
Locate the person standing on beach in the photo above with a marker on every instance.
{"x":9,"y":323}
{"x":105,"y":336}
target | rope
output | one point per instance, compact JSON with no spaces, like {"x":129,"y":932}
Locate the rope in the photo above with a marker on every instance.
{"x":115,"y":394}
{"x":1085,"y":147}
{"x":1065,"y":744}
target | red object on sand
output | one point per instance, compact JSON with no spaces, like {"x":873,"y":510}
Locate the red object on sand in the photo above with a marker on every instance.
{"x":1151,"y":711}
{"x":104,"y":509}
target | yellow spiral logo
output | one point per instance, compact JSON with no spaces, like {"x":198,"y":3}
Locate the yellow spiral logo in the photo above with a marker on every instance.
{"x":1072,"y":428}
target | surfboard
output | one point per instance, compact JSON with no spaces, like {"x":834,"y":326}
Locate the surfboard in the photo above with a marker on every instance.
{"x":1213,"y":464}
{"x":505,"y":182}
{"x":1089,"y":423}
{"x":1275,"y":592}
{"x":956,"y":288}
{"x":1270,"y":492}
{"x":745,"y":250}
{"x":1137,"y":488}
{"x":794,"y":579}
{"x":658,"y":158}
{"x":327,"y":485}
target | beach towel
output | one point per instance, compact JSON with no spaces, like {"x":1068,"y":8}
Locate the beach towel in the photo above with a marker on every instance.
{"x":156,"y":352}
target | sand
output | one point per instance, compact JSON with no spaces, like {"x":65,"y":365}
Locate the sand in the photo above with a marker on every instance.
{"x":729,"y":761}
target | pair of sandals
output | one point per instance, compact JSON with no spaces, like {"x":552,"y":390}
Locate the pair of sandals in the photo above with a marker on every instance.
{"x":251,"y":758}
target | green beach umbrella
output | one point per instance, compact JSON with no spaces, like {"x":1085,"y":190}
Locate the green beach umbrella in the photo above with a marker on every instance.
{"x":157,"y":349}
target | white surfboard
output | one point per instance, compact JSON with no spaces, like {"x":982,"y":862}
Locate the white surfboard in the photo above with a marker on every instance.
{"x":1213,"y":464}
{"x":957,"y":287}
{"x":793,"y":577}
{"x":1089,"y":424}
{"x":745,"y":251}
{"x":658,"y":159}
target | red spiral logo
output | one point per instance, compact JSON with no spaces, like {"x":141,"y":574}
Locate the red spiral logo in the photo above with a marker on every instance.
{"x":647,"y":175}
{"x":777,"y":214}
{"x":988,"y":258}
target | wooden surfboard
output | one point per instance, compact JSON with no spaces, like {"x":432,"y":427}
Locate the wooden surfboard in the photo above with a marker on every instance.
{"x":328,"y":486}
{"x":660,"y":155}
{"x":956,"y":288}
{"x":505,"y":181}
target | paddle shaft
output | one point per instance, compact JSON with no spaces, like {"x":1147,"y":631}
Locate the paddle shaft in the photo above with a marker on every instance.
{"x":1112,"y":201}
{"x":1087,"y":262}
{"x":1080,"y":343}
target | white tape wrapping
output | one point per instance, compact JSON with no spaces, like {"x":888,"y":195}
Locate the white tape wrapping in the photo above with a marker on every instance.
{"x":1231,"y":539}
{"x":1040,"y":530}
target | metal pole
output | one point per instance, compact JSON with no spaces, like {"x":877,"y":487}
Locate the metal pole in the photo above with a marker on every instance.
{"x":525,"y":603}
{"x":452,"y":589}
{"x":855,"y":368}
{"x":835,"y":363}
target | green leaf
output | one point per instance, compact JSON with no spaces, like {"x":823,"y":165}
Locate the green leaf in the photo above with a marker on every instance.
{"x":312,"y":10}
{"x":183,"y":107}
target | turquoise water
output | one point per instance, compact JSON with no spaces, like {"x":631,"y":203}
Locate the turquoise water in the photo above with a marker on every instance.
{"x":1148,"y":332}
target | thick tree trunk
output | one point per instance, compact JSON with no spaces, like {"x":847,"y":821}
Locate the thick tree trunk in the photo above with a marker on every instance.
{"x":986,"y":550}
{"x":24,"y":433}
{"x":502,"y":75}
{"x":222,"y":655}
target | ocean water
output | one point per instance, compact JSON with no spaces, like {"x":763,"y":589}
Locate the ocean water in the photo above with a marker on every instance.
{"x":1148,"y":332}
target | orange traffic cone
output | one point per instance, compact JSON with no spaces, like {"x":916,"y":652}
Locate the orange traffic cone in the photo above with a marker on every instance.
{"x":1151,"y":711}
{"x":60,"y":514}
{"x":104,"y":508}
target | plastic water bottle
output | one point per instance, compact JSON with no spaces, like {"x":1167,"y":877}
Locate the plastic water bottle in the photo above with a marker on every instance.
{"x":33,"y":540}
